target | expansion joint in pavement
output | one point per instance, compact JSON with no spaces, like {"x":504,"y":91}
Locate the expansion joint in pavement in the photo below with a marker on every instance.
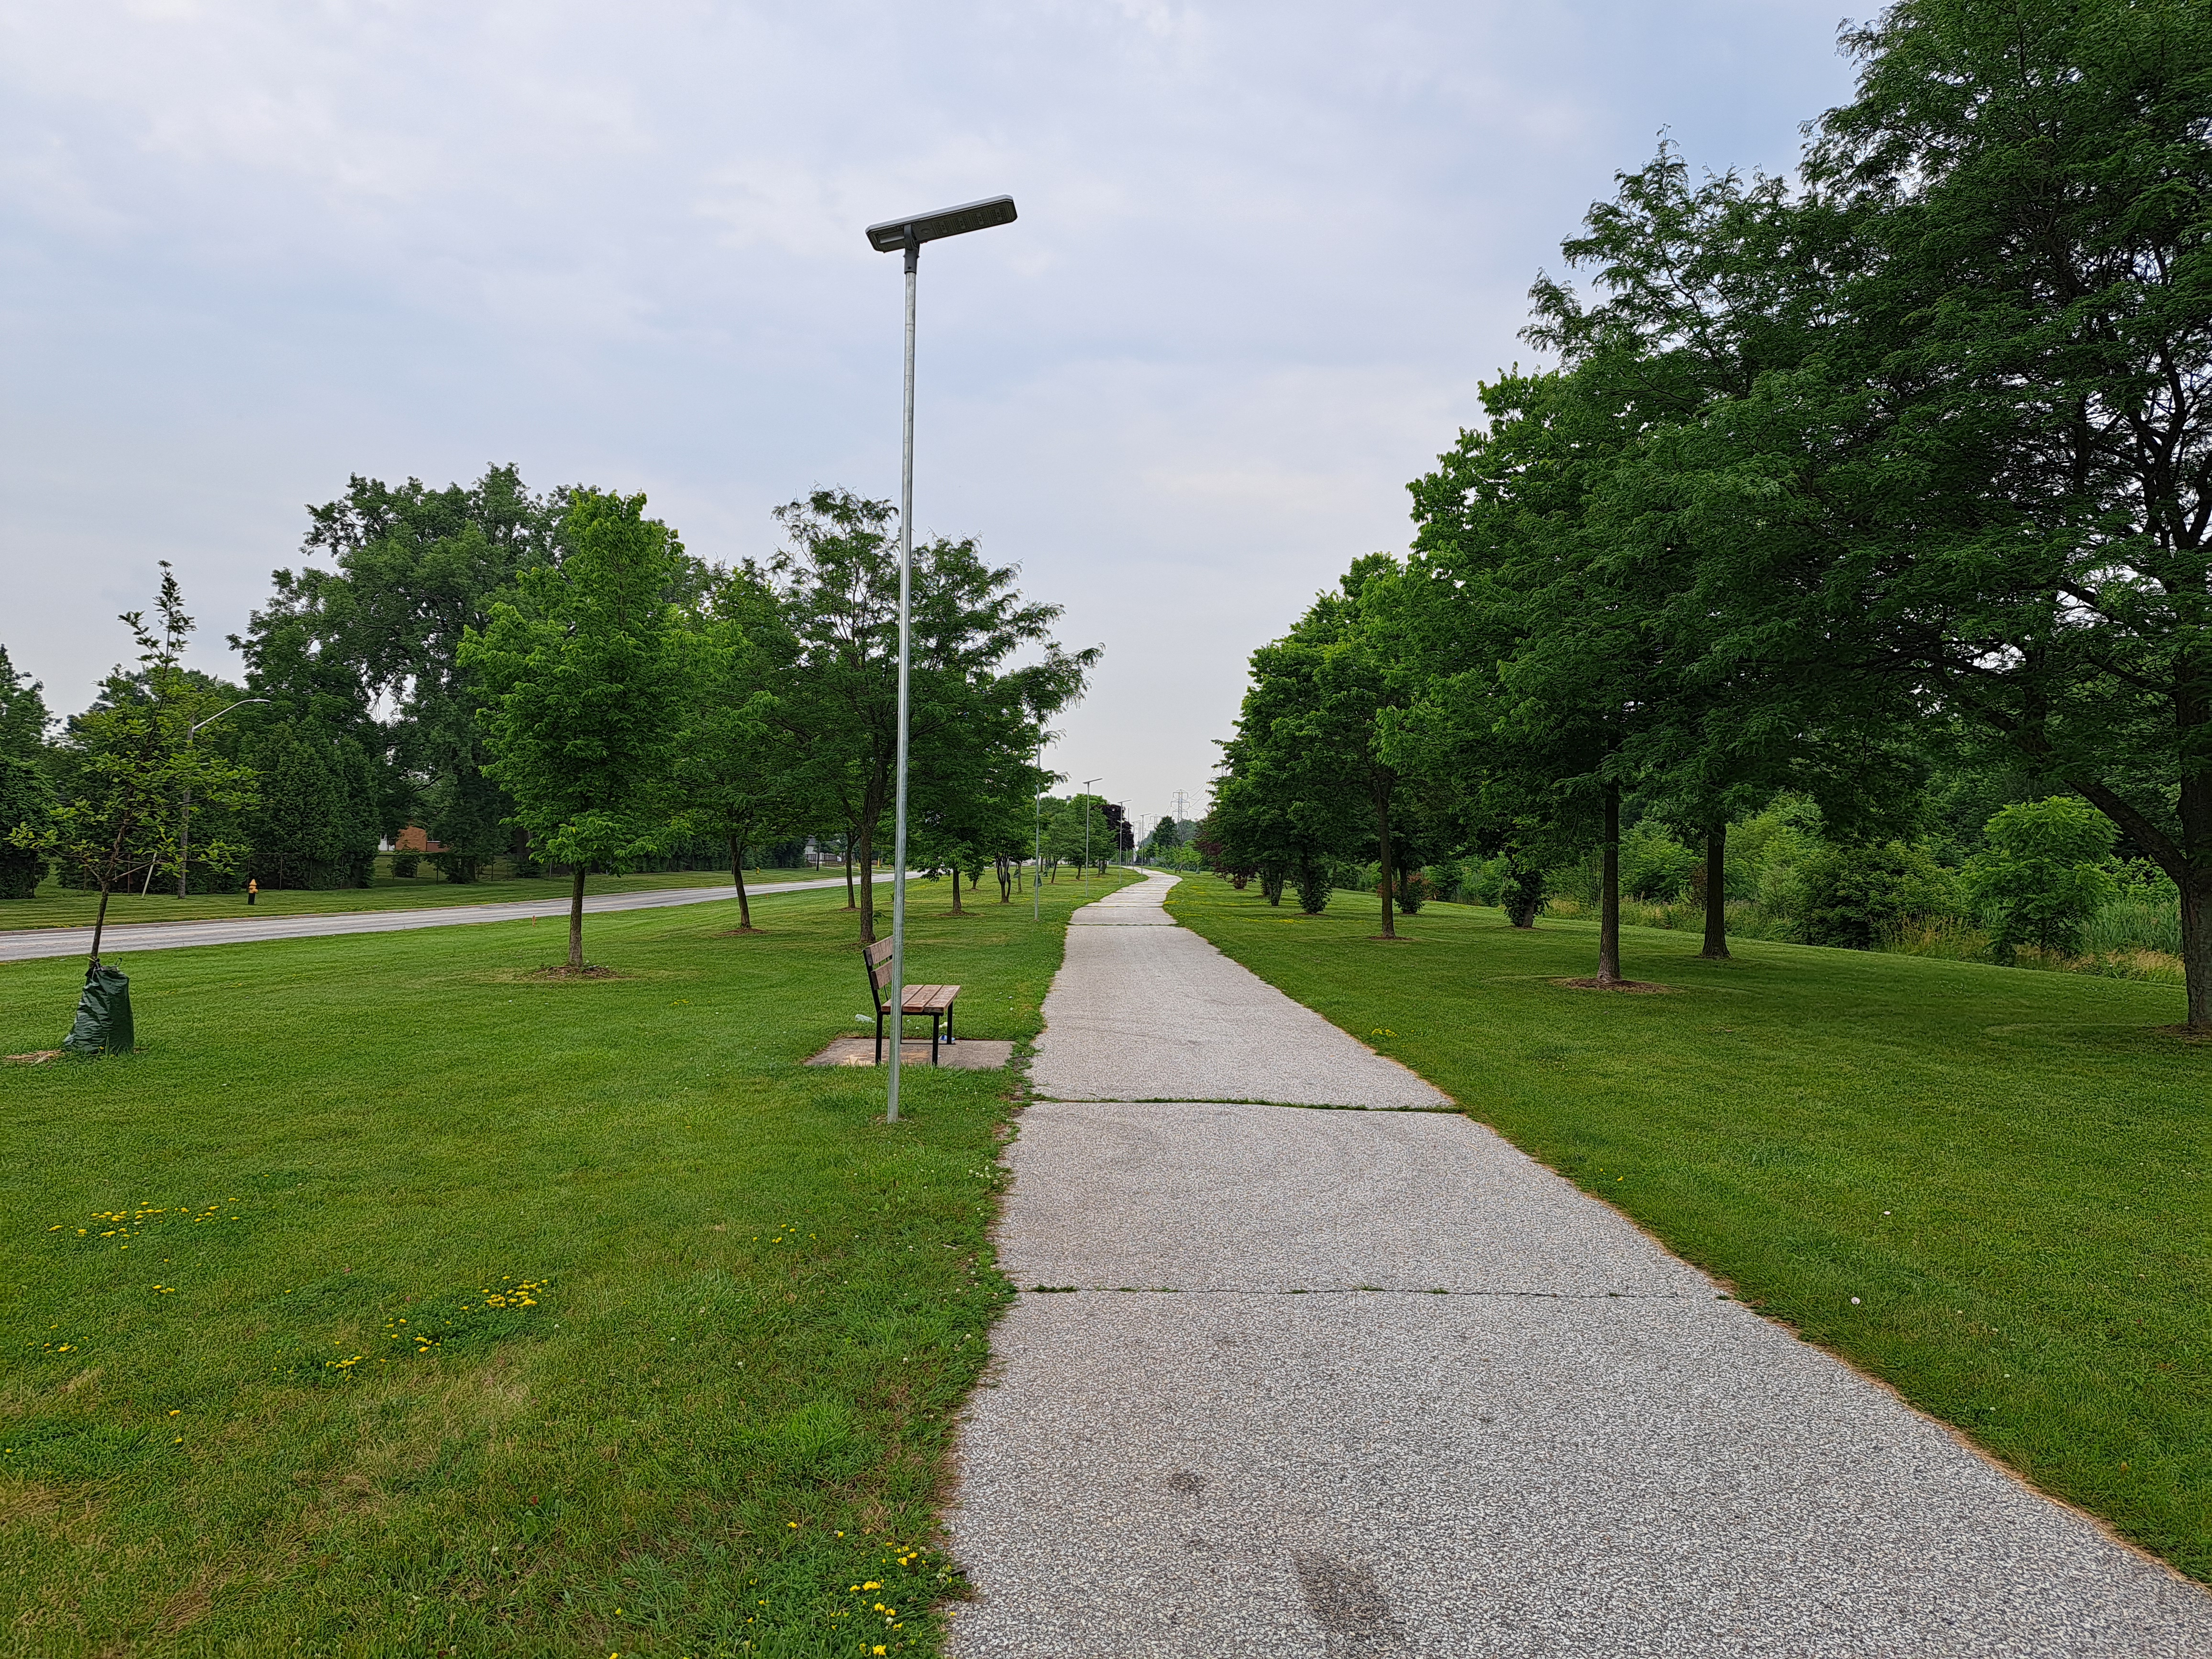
{"x":1232,"y":1100}
{"x":1355,"y":1290}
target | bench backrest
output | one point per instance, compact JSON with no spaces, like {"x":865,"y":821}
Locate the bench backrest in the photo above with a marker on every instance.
{"x":878,"y":956}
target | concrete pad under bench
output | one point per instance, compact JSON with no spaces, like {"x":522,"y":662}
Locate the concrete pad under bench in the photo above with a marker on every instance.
{"x":969,"y":1055}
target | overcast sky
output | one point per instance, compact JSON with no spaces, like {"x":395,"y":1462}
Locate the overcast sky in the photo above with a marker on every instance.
{"x":1265,"y":253}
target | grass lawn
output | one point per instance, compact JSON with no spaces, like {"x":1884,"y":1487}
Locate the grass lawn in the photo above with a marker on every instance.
{"x":392,"y":1301}
{"x":1985,"y":1186}
{"x":54,"y":906}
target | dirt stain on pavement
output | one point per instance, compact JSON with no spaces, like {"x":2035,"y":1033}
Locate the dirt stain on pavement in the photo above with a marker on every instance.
{"x":1349,"y":1605}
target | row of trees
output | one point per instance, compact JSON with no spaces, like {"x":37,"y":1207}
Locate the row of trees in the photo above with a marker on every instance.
{"x":557,"y":676}
{"x":1904,"y":464}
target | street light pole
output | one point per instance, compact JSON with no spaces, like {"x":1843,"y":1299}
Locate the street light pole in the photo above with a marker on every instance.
{"x":906,"y":236}
{"x":1085,"y":878}
{"x":184,"y":816}
{"x":1036,"y":818}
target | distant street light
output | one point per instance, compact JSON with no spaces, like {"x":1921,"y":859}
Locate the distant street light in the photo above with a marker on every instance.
{"x":906,"y":236}
{"x":184,"y":818}
{"x":1086,"y":876}
{"x":1037,"y":817}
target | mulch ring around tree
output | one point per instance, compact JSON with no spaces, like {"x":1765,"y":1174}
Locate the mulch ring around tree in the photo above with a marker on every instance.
{"x":1634,"y":986}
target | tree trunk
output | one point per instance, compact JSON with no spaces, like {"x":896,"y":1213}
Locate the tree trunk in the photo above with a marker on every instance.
{"x":737,"y":875}
{"x":867,"y":863}
{"x":2187,"y":864}
{"x":849,"y":904}
{"x":956,"y":891}
{"x":1608,"y":921}
{"x":576,"y":921}
{"x":1716,"y":893}
{"x":1383,"y":842}
{"x":2197,"y":950}
{"x":99,"y":923}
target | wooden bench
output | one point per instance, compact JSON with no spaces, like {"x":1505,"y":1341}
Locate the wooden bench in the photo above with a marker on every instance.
{"x":935,"y":1001}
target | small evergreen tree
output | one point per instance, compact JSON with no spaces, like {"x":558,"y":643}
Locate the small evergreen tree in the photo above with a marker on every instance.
{"x":26,"y":797}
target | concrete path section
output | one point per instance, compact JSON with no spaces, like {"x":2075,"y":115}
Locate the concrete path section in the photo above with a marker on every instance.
{"x":32,"y":944}
{"x":1203,"y":1475}
{"x":1145,"y":1010}
{"x":1382,"y":1385}
{"x":1207,"y":1197}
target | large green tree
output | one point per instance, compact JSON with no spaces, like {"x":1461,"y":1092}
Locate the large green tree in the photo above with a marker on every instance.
{"x":837,"y":581}
{"x":583,"y":678}
{"x":369,"y":647}
{"x":739,"y":773}
{"x":2023,"y":364}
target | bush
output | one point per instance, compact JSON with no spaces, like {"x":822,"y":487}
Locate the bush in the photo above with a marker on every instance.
{"x":1654,"y":866}
{"x":405,"y":864}
{"x":1313,"y":885}
{"x":459,"y":868}
{"x":1857,"y":895}
{"x":1521,"y":895}
{"x":1414,"y":889}
{"x":2043,"y":877}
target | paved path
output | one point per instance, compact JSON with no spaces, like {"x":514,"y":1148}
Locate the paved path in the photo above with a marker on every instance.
{"x":121,"y":939}
{"x":1356,"y":1384}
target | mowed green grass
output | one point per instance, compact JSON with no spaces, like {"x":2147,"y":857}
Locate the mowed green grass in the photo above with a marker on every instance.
{"x":55,"y":906}
{"x":391,"y":1301}
{"x":2008,"y":1170}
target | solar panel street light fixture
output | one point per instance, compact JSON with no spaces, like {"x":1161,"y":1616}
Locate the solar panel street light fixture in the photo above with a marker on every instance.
{"x":916,"y":228}
{"x":895,"y":236}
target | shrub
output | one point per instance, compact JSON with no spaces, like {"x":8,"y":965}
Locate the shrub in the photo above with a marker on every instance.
{"x":1414,"y":889}
{"x":405,"y":864}
{"x":1313,"y":885}
{"x":1483,"y":882}
{"x":2043,"y":877}
{"x":1522,"y":894}
{"x":1856,"y":896}
{"x":1653,"y":865}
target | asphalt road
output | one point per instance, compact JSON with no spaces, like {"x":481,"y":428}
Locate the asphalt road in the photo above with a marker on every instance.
{"x":1351,"y":1384}
{"x":31,"y":944}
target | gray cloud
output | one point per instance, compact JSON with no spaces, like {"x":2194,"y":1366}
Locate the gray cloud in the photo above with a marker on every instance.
{"x":1265,"y":253}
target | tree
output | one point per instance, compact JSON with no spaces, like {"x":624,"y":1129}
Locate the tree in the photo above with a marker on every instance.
{"x":1544,"y":665}
{"x":2013,"y":414}
{"x":1080,"y":832}
{"x":2044,"y":876}
{"x":316,"y":825}
{"x":416,"y":571}
{"x":1165,"y":837}
{"x":836,"y":580}
{"x":129,"y":761}
{"x":737,"y":771}
{"x":583,"y":677}
{"x":27,"y":798}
